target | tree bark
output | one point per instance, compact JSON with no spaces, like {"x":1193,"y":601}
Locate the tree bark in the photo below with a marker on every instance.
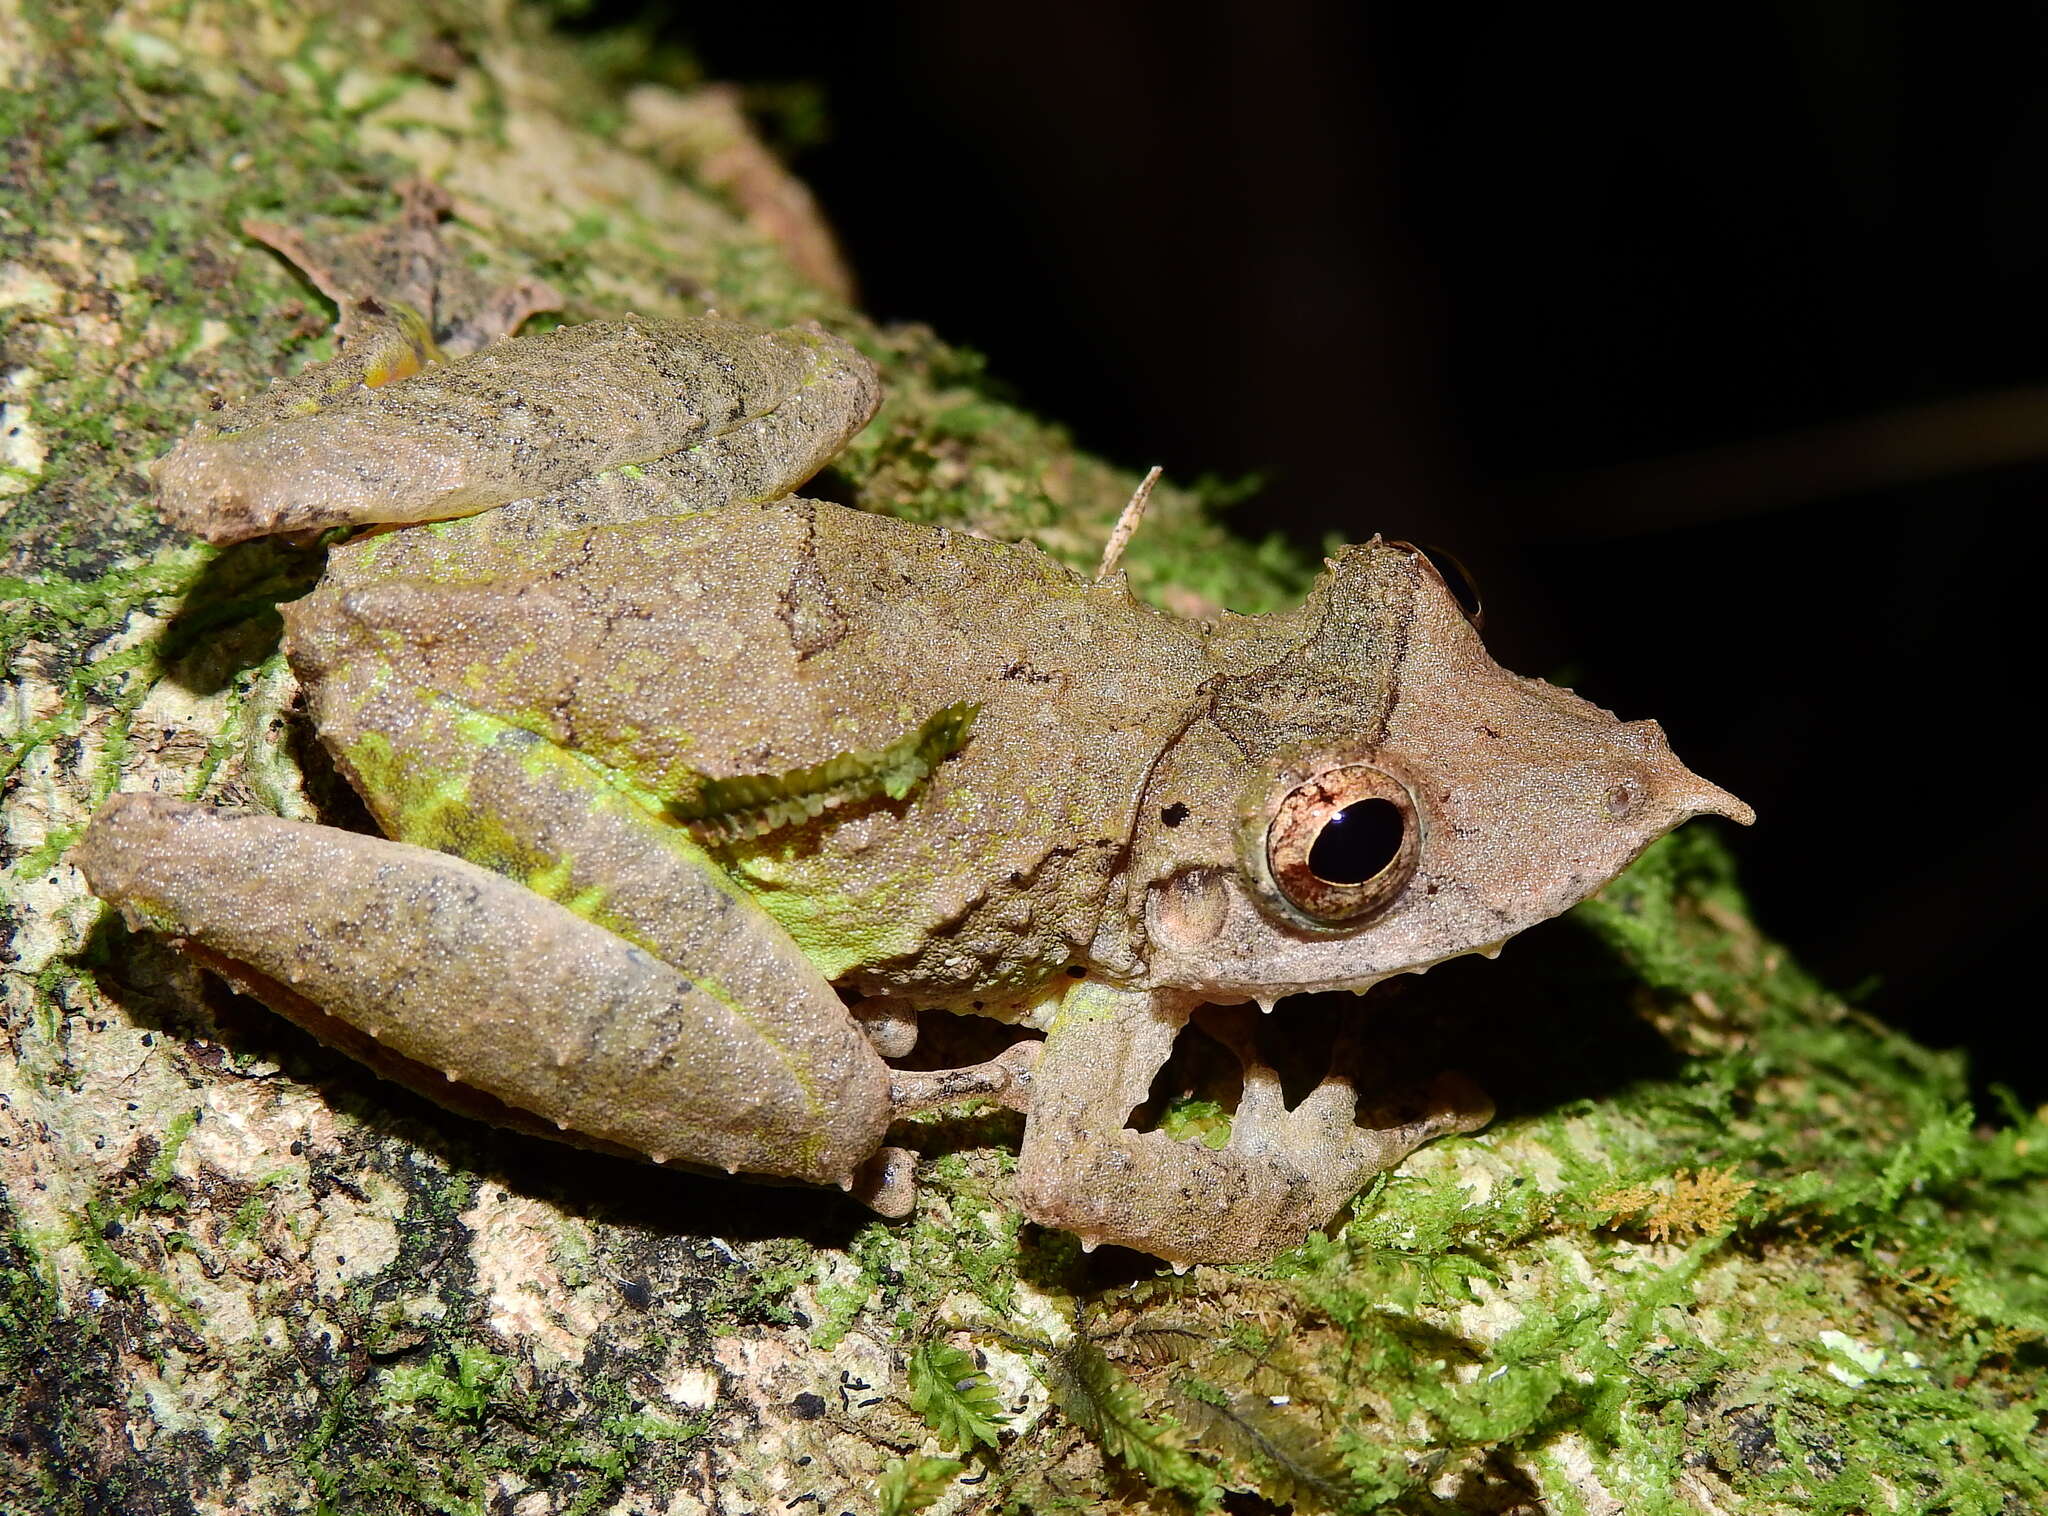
{"x":1729,"y":1247}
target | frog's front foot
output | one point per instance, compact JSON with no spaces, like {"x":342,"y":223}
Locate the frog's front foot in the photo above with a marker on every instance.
{"x":1282,"y":1174}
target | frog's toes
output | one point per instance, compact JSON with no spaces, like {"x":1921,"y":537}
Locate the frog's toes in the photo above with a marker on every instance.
{"x":1324,"y":1132}
{"x":1331,"y":1108}
{"x":500,"y":313}
{"x":1328,"y":1127}
{"x":1005,"y":1079}
{"x":1452,"y":1103}
{"x":886,"y":1183}
{"x":406,"y":262}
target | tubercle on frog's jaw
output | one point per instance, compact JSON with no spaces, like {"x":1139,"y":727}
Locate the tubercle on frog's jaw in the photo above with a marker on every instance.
{"x":1090,"y":1241}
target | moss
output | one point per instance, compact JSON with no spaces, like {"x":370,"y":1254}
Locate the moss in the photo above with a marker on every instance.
{"x":61,"y":1378}
{"x":105,"y":1217}
{"x":841,"y":1301}
{"x":446,"y":1430}
{"x":1717,"y":1276}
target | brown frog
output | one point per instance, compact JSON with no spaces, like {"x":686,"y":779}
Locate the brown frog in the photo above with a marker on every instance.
{"x":675,"y":765}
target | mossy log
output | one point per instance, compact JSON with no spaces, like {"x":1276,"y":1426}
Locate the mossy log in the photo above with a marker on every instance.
{"x":1730,"y":1246}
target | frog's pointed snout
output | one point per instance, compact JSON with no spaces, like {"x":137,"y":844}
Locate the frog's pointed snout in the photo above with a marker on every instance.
{"x":1699,"y":798}
{"x":1685,"y":792}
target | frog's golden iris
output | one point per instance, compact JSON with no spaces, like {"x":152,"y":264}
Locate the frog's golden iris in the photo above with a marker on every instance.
{"x":1344,"y":844}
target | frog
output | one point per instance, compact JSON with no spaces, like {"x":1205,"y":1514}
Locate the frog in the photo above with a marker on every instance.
{"x":696,"y":793}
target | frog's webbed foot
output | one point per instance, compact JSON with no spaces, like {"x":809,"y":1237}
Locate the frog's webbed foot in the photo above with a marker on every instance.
{"x":1282,"y":1174}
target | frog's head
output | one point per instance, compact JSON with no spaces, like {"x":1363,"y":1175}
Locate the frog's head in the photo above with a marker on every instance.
{"x":1370,"y":794}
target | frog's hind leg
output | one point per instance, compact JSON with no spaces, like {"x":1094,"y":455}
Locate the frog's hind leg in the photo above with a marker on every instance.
{"x":715,"y":409}
{"x":447,"y":776}
{"x":427,"y":965}
{"x":785,"y":429}
{"x":731,"y":1051}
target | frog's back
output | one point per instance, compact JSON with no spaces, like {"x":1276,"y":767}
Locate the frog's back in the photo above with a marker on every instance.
{"x":765,"y":640}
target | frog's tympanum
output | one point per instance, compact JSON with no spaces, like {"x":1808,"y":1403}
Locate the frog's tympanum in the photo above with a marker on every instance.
{"x":697,"y":791}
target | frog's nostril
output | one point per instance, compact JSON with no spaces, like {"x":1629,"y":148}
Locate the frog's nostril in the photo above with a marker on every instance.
{"x":1624,"y":797}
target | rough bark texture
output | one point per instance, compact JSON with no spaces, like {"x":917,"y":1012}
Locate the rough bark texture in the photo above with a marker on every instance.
{"x":1730,"y":1246}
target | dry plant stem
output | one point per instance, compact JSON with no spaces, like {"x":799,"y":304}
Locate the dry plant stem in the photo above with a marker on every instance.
{"x":1127,"y":524}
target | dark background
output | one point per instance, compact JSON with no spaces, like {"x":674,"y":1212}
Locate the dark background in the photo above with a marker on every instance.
{"x":1705,"y":341}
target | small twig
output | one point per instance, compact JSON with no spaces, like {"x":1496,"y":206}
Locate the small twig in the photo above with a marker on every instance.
{"x":1127,"y":525}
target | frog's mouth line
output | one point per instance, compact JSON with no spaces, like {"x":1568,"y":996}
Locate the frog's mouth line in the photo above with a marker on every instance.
{"x":1268,"y":996}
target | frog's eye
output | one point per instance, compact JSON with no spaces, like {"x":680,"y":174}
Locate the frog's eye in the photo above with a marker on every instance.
{"x":1456,"y":579}
{"x":1343,"y":844}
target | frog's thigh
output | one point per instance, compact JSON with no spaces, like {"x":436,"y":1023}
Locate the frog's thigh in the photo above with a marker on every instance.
{"x":457,"y":969}
{"x":1281,"y":1175}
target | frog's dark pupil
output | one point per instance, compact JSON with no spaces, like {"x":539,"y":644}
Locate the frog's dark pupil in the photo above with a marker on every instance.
{"x":1357,"y":842}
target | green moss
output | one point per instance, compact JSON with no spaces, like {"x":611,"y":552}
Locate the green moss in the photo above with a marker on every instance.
{"x":746,"y":806}
{"x":954,"y":1396}
{"x":909,"y":1485}
{"x":250,"y":1215}
{"x":840,"y":1303}
{"x":61,"y":1376}
{"x":105,"y":1217}
{"x":460,"y":1387}
{"x":1190,"y":1118}
{"x":455,"y":1423}
{"x":1724,"y":1269}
